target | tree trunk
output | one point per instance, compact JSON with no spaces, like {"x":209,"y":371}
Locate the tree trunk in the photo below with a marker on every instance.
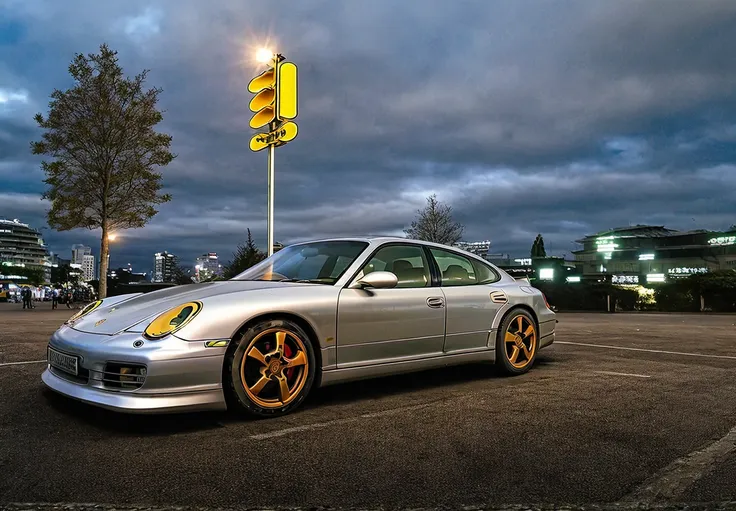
{"x":104,"y":251}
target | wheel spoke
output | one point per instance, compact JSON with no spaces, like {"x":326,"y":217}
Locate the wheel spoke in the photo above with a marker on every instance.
{"x":256,"y":354}
{"x":527,"y":353}
{"x":258,"y":387}
{"x":519,"y":324}
{"x":514,"y":355}
{"x":299,"y":360}
{"x":280,"y":338}
{"x":284,"y":388}
{"x":529,"y":331}
{"x":510,"y":337}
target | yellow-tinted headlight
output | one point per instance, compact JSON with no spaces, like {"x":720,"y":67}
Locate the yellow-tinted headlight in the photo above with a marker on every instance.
{"x":172,"y":320}
{"x":86,"y":310}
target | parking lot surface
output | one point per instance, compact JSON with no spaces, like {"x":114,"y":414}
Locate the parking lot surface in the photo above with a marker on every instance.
{"x":622,"y":408}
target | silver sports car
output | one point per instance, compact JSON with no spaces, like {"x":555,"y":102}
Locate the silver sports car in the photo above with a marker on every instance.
{"x":311,"y":315}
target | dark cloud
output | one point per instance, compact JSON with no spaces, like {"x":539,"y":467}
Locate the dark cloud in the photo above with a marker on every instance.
{"x":562,"y":118}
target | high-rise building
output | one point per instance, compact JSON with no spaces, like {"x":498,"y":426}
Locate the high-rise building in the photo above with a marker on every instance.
{"x":163,"y":267}
{"x":78,"y":253}
{"x":21,"y":245}
{"x":89,"y":270}
{"x":207,"y":266}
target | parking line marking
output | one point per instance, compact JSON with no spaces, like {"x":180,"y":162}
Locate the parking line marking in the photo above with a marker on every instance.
{"x":347,"y":420}
{"x":703,"y":355}
{"x":611,"y":373}
{"x":22,"y":363}
{"x":670,"y":483}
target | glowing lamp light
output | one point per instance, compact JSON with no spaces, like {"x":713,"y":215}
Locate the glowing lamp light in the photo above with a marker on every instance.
{"x":546,"y":273}
{"x":264,"y":55}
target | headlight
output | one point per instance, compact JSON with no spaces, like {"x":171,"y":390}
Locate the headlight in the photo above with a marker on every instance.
{"x":172,"y":320}
{"x":86,"y":310}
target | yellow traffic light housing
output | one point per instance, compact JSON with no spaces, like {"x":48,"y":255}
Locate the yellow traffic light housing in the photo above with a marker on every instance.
{"x":286,"y":99}
{"x":264,"y":102}
{"x":275,"y":94}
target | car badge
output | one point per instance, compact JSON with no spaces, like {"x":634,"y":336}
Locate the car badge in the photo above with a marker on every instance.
{"x":100,"y":322}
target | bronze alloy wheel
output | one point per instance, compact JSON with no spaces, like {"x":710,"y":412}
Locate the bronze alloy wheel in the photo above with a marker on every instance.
{"x":272,"y":368}
{"x":516,"y":345}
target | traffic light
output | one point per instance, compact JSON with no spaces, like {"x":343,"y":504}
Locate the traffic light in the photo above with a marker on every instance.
{"x":275,"y":94}
{"x":264,"y":104}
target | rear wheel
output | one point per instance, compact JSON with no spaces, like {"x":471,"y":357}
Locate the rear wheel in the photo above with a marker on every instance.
{"x":516,"y":342}
{"x":270,"y":368}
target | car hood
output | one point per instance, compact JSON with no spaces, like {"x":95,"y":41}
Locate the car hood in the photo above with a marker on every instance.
{"x":142,"y":308}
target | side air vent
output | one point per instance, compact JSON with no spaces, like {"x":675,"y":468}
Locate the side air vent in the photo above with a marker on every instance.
{"x":499,"y":297}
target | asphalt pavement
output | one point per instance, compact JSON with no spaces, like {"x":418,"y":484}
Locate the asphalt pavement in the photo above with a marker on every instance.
{"x":623,"y":409}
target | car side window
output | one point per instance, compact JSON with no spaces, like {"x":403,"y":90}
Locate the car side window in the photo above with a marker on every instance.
{"x":484,"y":274}
{"x":455,"y":269}
{"x":407,"y":262}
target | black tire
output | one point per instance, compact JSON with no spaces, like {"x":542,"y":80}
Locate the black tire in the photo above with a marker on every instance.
{"x":267,"y":401}
{"x":529,"y":343}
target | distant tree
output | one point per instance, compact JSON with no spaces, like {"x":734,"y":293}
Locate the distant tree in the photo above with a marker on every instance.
{"x":435,"y":223}
{"x":732,"y":228}
{"x":181,"y":275}
{"x":248,"y":254}
{"x":103,"y":150}
{"x":34,"y":276}
{"x":538,"y":247}
{"x":65,"y":273}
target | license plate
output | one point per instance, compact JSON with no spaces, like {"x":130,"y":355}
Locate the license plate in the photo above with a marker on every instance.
{"x":64,"y":362}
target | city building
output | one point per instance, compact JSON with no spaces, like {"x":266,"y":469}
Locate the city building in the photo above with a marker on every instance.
{"x":207,"y":266}
{"x":57,"y":261}
{"x":78,"y":253}
{"x":553,"y":269}
{"x":645,"y":254}
{"x":163,"y":267}
{"x":22,"y":245}
{"x":479,"y":248}
{"x":89,"y":270}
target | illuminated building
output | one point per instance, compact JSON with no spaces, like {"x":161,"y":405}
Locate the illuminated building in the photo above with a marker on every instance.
{"x":479,"y":248}
{"x":163,"y":267}
{"x":208,"y":266}
{"x":644,"y":254}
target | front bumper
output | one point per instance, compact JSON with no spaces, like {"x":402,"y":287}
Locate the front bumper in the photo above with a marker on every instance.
{"x":180,"y":375}
{"x":134,"y":403}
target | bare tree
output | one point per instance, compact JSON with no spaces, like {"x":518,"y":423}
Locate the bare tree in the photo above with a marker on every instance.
{"x":434,"y":223}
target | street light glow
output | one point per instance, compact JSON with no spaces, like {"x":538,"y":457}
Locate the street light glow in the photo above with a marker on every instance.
{"x":264,"y":55}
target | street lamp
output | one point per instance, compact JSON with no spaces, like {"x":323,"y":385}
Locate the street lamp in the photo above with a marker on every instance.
{"x":264,"y":55}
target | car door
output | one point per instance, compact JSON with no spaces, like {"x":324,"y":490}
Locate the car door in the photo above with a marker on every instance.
{"x":470,"y":311}
{"x":388,"y":325}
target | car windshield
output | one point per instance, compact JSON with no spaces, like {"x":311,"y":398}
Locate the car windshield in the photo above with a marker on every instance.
{"x":320,"y":262}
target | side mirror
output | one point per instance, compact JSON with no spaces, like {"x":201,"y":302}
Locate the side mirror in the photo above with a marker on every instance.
{"x":377,"y":280}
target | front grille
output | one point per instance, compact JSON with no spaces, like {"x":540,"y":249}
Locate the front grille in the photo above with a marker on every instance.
{"x":123,"y":376}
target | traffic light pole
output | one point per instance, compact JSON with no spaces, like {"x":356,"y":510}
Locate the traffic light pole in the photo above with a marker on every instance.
{"x":271,"y":176}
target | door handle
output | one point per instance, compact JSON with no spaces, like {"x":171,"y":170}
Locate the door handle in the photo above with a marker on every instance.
{"x":435,"y":302}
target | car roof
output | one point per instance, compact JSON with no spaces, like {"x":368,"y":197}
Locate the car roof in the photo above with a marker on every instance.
{"x":396,"y":239}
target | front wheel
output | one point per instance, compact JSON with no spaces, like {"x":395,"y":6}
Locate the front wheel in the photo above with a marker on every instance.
{"x":270,"y":368}
{"x":516,"y":343}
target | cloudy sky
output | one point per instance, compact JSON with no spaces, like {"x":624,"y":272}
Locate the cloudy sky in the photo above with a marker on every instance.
{"x":559,"y":117}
